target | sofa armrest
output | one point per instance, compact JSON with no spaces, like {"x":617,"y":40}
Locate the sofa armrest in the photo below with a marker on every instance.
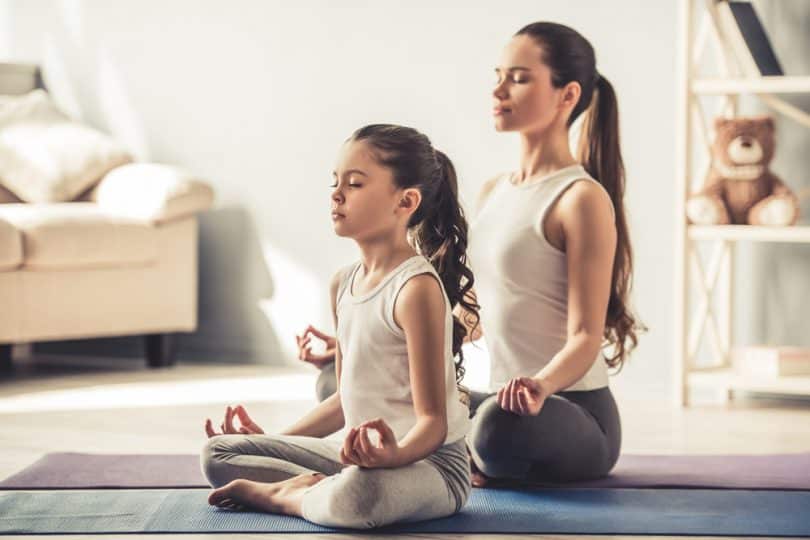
{"x":152,"y":192}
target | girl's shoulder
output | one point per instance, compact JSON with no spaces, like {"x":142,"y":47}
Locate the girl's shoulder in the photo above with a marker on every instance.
{"x":340,"y":281}
{"x":420,"y":300}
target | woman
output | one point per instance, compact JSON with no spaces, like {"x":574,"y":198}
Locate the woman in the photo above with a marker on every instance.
{"x":553,"y":263}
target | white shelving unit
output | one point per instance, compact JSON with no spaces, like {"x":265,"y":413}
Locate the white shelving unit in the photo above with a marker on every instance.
{"x":693,"y":273}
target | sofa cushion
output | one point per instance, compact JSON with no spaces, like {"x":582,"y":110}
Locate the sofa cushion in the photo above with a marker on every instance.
{"x":45,"y":156}
{"x":77,"y":235}
{"x":152,"y":192}
{"x":11,"y":250}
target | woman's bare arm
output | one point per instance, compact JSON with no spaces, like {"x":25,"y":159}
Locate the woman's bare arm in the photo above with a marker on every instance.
{"x":589,"y":232}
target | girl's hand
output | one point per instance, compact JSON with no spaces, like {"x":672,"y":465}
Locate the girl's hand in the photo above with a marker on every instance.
{"x":359,"y":450}
{"x":305,"y":351}
{"x":247,"y":425}
{"x":522,"y":395}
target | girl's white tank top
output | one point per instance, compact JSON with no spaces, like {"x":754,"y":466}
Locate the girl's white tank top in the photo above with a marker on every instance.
{"x":375,"y":375}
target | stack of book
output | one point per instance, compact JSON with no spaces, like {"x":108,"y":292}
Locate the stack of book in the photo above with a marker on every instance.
{"x":763,"y":361}
{"x":742,"y":30}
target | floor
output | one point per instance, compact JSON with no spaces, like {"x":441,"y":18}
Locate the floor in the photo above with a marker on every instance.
{"x":57,"y":404}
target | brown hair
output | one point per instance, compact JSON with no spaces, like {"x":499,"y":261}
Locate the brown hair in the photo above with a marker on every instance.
{"x":571,"y":58}
{"x":438,"y":227}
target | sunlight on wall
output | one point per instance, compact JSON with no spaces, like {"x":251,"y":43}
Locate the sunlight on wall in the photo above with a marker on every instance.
{"x":58,"y":80}
{"x":70,"y":12}
{"x":297,"y":299}
{"x":117,"y":108}
{"x":476,"y":365}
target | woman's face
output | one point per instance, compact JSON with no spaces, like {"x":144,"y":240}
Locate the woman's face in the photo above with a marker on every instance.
{"x":365,"y":198}
{"x":524,"y":99}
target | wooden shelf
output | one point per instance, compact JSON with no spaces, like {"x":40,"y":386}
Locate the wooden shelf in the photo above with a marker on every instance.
{"x":758,"y":85}
{"x":704,"y":321}
{"x":800,"y":234}
{"x":733,"y":380}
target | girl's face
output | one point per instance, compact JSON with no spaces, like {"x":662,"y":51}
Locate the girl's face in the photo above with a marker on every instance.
{"x":524,"y":99}
{"x":365,"y":202}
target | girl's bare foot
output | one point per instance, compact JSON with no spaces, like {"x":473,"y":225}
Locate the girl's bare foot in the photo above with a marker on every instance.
{"x":275,"y":498}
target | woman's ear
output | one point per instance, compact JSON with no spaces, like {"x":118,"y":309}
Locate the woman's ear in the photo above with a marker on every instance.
{"x":571,"y":93}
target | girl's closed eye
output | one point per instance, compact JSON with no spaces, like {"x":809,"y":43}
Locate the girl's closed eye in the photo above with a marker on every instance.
{"x":354,"y":185}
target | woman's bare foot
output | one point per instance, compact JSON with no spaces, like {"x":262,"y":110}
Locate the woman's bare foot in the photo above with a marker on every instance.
{"x":275,"y":498}
{"x":477,"y":478}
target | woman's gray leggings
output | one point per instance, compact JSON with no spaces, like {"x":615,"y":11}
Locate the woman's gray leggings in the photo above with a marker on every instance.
{"x":350,"y":496}
{"x":576,"y":436}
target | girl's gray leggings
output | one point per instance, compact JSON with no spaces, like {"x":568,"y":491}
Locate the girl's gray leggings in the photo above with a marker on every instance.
{"x":350,"y":496}
{"x":576,"y":436}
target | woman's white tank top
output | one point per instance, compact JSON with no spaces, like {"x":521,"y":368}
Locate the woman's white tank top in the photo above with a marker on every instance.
{"x":375,"y":375}
{"x":521,"y":280}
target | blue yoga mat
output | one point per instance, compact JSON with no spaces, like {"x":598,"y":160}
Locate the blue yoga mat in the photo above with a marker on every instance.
{"x":574,"y":511}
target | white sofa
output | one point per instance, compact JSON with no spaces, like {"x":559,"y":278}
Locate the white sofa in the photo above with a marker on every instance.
{"x":119,"y":260}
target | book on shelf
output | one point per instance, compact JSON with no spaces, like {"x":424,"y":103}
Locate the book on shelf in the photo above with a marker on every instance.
{"x":746,"y":38}
{"x":772,"y":361}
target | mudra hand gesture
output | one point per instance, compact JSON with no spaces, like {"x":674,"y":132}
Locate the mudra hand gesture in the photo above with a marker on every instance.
{"x":247,"y":425}
{"x":523,"y":396}
{"x":359,"y":450}
{"x":305,"y":353}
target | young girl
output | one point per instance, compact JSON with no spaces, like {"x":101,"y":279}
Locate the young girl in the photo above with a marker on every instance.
{"x":396,"y":196}
{"x":551,"y":252}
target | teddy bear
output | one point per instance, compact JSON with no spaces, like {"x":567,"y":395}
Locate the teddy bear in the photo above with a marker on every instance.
{"x":739,"y":188}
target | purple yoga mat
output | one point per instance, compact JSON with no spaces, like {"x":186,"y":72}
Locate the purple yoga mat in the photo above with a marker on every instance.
{"x":98,"y":471}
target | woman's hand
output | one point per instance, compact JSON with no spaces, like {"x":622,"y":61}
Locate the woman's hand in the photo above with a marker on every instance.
{"x":359,"y":450}
{"x":305,"y":351}
{"x":522,"y":395}
{"x":246,"y":425}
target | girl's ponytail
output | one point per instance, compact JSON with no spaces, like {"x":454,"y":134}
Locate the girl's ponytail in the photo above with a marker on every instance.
{"x":442,"y":238}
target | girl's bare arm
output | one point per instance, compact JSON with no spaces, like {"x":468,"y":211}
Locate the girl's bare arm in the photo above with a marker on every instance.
{"x":419,"y":310}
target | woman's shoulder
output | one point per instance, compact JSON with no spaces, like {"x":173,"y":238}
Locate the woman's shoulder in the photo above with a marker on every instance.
{"x":585,"y":196}
{"x":487,"y":188}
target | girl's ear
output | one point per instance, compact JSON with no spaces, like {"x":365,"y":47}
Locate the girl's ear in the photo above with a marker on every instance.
{"x":410,"y":200}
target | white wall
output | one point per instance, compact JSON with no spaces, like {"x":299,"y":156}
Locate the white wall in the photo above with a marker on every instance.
{"x":256,"y":97}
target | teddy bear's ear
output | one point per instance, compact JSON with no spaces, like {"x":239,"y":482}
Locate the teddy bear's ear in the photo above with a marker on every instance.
{"x":767,"y":122}
{"x":719,"y":122}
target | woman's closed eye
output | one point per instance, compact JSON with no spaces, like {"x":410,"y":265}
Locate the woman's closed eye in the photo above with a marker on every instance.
{"x":333,"y":186}
{"x":514,"y":77}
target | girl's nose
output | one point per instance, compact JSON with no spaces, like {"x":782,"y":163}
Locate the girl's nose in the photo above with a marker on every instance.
{"x":499,"y":91}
